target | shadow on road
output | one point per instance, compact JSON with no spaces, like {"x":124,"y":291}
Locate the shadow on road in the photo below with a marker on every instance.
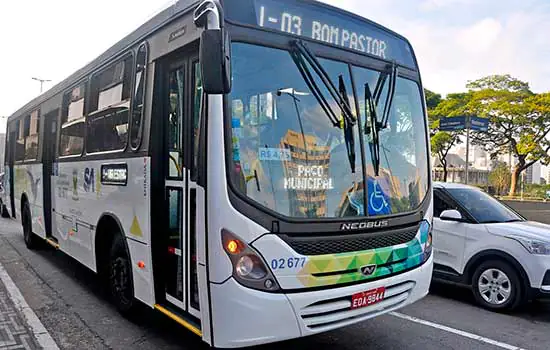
{"x":536,"y":311}
{"x":151,"y":322}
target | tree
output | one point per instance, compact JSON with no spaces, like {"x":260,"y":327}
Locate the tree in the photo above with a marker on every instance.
{"x":432,"y":99}
{"x":500,"y":177}
{"x":441,"y":143}
{"x":519,"y":120}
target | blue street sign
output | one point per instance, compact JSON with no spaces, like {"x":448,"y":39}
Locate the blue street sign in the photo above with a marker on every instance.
{"x":452,"y":123}
{"x":479,"y":124}
{"x":460,"y":123}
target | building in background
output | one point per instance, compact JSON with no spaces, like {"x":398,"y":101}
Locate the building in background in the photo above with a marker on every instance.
{"x":532,"y":174}
{"x":456,"y":171}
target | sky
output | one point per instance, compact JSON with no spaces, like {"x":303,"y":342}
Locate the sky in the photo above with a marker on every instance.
{"x":454,"y":40}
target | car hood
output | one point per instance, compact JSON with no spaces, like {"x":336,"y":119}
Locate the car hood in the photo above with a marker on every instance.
{"x":527,"y":229}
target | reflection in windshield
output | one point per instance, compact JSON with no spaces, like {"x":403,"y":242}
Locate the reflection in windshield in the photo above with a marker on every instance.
{"x":484,"y":208}
{"x":290,"y":158}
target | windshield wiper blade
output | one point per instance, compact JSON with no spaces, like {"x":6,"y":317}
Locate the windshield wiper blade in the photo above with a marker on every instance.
{"x":300,"y":54}
{"x":343,"y":104}
{"x":348,"y":127}
{"x":391,"y":72}
{"x":373,"y":129}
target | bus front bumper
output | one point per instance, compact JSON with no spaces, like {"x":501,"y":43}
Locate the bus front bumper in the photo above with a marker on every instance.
{"x":245,"y":317}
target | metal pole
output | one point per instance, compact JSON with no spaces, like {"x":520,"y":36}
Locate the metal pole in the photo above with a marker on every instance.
{"x":467,"y":147}
{"x":42,"y":81}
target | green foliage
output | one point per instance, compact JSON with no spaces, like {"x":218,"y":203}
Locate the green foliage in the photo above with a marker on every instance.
{"x":498,"y":82}
{"x":500,"y":177}
{"x":432,"y":99}
{"x":519,"y":118}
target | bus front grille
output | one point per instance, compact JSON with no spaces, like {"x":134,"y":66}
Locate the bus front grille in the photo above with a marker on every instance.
{"x":344,"y":244}
{"x":332,"y":313}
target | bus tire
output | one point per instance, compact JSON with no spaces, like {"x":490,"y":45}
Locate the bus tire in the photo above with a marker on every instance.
{"x":4,"y":210}
{"x":121,"y":284}
{"x":31,"y":240}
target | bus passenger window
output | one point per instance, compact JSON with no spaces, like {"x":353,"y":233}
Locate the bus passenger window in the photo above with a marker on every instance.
{"x":72,"y":122}
{"x":31,"y":141}
{"x":20,"y":141}
{"x":139,"y":92}
{"x":109,"y":106}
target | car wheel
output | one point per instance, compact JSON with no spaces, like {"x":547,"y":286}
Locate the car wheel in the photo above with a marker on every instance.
{"x":121,"y":283}
{"x":31,"y":240}
{"x":497,"y":286}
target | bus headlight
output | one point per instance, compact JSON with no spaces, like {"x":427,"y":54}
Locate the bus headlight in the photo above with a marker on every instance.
{"x":249,"y":268}
{"x":426,"y":237}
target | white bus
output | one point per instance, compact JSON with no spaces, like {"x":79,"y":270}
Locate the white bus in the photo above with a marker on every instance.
{"x":260,"y":159}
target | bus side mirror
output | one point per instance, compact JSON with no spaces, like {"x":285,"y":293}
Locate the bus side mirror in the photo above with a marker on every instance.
{"x":215,"y":60}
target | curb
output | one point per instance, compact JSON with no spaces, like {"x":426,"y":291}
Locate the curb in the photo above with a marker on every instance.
{"x":40,"y":333}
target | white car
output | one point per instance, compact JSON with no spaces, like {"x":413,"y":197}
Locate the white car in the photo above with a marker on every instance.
{"x":482,"y":243}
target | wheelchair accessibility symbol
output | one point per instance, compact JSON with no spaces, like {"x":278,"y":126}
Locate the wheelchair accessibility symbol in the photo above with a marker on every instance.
{"x":377,"y":199}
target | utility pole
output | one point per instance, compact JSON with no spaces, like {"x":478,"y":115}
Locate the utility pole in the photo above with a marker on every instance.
{"x":467,"y":147}
{"x":42,"y":81}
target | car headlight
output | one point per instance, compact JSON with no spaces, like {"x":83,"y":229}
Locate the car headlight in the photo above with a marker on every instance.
{"x":533,"y":246}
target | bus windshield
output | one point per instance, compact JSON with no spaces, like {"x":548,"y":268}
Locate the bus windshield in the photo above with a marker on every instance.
{"x":288,"y":156}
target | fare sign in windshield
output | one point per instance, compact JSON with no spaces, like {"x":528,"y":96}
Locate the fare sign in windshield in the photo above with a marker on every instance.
{"x":324,"y":24}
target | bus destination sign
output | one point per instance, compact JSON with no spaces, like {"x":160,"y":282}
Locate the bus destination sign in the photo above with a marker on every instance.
{"x":317,"y":22}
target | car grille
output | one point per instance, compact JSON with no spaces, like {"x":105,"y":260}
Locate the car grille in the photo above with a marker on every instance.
{"x":337,"y":312}
{"x":344,"y":244}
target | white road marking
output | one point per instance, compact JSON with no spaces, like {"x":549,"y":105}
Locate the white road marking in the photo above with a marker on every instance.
{"x":40,"y":333}
{"x":456,"y":331}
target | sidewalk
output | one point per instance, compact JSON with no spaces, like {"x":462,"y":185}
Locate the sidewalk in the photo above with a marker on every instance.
{"x":19,"y":326}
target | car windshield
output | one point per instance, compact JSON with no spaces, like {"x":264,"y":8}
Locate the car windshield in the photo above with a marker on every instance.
{"x":484,"y":208}
{"x":289,"y":157}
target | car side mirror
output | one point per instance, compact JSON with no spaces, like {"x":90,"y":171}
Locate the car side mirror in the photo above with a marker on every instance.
{"x":215,"y":60}
{"x":451,"y":215}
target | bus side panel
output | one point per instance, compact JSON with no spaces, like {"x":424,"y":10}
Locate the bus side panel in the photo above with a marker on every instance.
{"x":28,"y":181}
{"x":82,"y":197}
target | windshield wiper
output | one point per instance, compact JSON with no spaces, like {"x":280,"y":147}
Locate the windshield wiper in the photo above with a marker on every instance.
{"x":302,"y":56}
{"x":374,"y":143}
{"x":371,"y":103}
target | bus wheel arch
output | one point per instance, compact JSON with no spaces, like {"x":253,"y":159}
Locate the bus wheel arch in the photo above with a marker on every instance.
{"x":113,"y":254}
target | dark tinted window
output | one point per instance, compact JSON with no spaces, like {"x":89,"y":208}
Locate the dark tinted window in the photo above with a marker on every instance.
{"x":483,"y":207}
{"x":139,"y":92}
{"x":72,"y":122}
{"x":197,"y":97}
{"x":440,"y":204}
{"x":109,"y":108}
{"x":20,"y":141}
{"x":31,"y":141}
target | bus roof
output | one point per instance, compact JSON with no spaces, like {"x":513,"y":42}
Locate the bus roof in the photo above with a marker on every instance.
{"x":164,"y":17}
{"x":134,"y":38}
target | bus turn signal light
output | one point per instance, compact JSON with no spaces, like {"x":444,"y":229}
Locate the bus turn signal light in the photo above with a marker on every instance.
{"x":141,"y":264}
{"x":233,"y":246}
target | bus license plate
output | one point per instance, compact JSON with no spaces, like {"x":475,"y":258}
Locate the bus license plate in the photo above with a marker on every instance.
{"x":367,"y":298}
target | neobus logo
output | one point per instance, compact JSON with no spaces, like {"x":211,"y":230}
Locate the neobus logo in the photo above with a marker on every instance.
{"x":364,"y":225}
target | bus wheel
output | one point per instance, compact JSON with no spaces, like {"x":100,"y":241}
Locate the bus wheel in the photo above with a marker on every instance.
{"x":31,"y":240}
{"x":121,"y":283}
{"x":4,"y":210}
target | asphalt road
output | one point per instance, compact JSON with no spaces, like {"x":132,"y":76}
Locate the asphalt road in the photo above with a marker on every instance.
{"x":68,"y":301}
{"x":536,"y":211}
